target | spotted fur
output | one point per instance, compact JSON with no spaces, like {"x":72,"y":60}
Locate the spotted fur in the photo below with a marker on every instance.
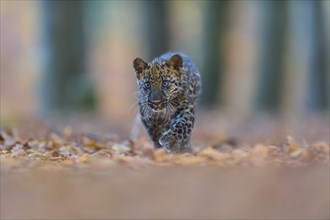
{"x":168,"y":88}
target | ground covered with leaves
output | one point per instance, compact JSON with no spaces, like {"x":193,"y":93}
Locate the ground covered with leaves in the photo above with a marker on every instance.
{"x":68,"y":147}
{"x":68,"y":172}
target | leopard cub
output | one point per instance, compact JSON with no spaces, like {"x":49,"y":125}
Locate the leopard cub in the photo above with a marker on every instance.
{"x":168,"y":88}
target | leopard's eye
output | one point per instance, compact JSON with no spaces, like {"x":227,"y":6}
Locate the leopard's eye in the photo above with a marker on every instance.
{"x":166,"y":83}
{"x":147,"y":85}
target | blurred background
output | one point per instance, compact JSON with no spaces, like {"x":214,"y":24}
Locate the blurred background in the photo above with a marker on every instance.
{"x":61,"y":57}
{"x":265,"y":70}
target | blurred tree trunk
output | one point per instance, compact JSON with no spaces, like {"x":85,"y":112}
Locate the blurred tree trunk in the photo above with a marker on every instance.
{"x":273,"y":35}
{"x":215,"y":21}
{"x":308,"y":86}
{"x":65,"y":85}
{"x":318,"y":82}
{"x":157,"y":29}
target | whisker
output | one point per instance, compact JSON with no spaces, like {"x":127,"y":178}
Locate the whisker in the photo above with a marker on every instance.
{"x":135,"y":105}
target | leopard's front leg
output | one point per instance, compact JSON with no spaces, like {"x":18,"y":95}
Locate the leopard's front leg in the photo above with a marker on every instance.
{"x":177,"y":138}
{"x":154,"y":131}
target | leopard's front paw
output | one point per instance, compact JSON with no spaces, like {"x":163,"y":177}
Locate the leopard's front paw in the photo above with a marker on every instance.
{"x":167,"y":141}
{"x":170,"y":143}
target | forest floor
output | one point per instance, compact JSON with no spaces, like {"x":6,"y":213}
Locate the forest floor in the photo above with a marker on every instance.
{"x":261,"y":167}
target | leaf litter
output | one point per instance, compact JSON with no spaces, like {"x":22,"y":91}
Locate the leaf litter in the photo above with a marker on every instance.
{"x":73,"y":148}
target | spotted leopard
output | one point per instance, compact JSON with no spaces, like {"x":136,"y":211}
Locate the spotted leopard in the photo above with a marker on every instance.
{"x":168,"y":88}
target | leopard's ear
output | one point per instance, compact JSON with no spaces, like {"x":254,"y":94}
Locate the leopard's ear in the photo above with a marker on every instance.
{"x":139,"y":65}
{"x":176,"y":62}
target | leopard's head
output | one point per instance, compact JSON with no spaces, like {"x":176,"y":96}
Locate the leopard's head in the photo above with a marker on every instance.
{"x":159,"y":84}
